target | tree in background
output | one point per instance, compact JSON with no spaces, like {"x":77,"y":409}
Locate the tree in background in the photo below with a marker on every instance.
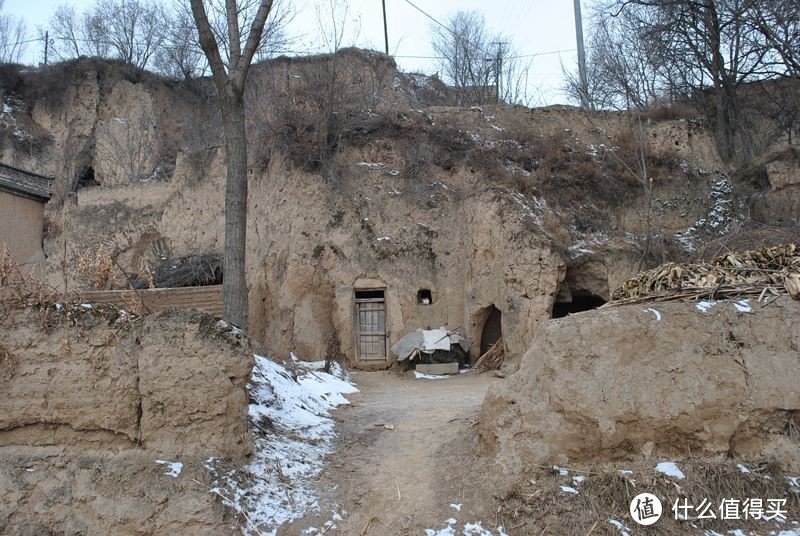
{"x":624,"y":72}
{"x":335,"y":25}
{"x":778,"y":23}
{"x":12,"y":37}
{"x":481,"y":67}
{"x":646,"y":52}
{"x":230,"y":76}
{"x":180,"y":55}
{"x":149,"y":35}
{"x":128,"y":30}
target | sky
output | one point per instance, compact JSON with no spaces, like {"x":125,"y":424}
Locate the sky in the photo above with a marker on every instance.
{"x":541,"y":29}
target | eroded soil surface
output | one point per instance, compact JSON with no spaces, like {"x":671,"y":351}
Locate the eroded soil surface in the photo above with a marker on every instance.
{"x":403,"y":462}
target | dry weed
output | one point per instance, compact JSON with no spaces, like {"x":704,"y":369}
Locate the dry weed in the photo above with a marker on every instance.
{"x":539,"y":502}
{"x":18,"y":288}
{"x":98,"y":269}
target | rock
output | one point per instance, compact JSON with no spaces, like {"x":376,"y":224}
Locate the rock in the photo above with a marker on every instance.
{"x":617,"y":383}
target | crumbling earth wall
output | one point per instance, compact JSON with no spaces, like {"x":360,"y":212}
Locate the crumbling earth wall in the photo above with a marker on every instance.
{"x":631,"y":381}
{"x":494,"y":207}
{"x":91,"y":399}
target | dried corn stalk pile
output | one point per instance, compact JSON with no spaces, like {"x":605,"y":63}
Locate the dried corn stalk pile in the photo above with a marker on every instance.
{"x":766,"y":271}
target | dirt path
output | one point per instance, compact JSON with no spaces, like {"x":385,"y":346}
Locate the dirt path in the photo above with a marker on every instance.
{"x":403,"y":480}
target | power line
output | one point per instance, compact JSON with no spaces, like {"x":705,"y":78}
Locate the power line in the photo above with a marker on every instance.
{"x":453,"y":32}
{"x":518,"y":56}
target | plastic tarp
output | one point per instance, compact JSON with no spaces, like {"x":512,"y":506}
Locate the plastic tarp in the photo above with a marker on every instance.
{"x":427,"y":341}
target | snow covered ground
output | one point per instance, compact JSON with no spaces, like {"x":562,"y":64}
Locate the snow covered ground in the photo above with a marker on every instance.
{"x":294,"y":431}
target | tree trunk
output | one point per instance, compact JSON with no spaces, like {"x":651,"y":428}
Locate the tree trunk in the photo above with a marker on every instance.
{"x":234,"y":282}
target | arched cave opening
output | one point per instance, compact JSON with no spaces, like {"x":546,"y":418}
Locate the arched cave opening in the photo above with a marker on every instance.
{"x":85,"y":179}
{"x":492,"y":328}
{"x":585,"y":287}
{"x":578,"y":303}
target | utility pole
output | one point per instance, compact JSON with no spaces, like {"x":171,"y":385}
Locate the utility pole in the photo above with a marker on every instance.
{"x":584,"y":81}
{"x":385,"y":28}
{"x":46,"y":45}
{"x":498,"y":69}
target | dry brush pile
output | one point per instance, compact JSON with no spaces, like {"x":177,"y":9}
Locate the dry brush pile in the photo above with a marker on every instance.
{"x":764,"y":272}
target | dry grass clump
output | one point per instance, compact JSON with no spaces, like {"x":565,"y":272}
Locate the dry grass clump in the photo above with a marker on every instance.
{"x":19,"y":288}
{"x":97,"y":268}
{"x":538,"y":505}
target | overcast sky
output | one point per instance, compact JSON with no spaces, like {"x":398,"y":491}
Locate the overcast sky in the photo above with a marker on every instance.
{"x":534,"y":27}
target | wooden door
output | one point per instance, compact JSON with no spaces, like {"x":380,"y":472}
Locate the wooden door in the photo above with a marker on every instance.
{"x":371,"y":329}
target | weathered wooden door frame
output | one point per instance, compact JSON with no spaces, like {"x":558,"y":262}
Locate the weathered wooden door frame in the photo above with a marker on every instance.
{"x":357,"y":324}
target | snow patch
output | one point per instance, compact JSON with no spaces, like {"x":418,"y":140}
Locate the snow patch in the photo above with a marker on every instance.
{"x":670,"y":469}
{"x":456,"y":507}
{"x":449,"y":530}
{"x":173,"y":468}
{"x":440,"y":184}
{"x":534,"y":209}
{"x":475,"y":528}
{"x":290,"y":413}
{"x":372,"y":165}
{"x":586,"y":245}
{"x":8,"y":120}
{"x":719,"y":220}
{"x":704,"y":306}
{"x":620,"y":526}
{"x":423,"y":376}
{"x":656,"y":313}
{"x":743,"y":306}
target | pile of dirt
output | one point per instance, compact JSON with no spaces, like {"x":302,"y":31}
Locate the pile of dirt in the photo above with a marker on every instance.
{"x":621,"y":383}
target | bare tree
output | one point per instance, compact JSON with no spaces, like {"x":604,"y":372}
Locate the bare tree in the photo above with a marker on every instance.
{"x":480,"y":66}
{"x":624,"y":71}
{"x":129,"y":30}
{"x":66,"y":33}
{"x":273,"y":38}
{"x":133,"y":28}
{"x":778,"y":22}
{"x":128,"y":143}
{"x":180,"y":56}
{"x":230,"y":76}
{"x":333,"y":23}
{"x":12,"y":37}
{"x":469,"y":56}
{"x":646,"y":51}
